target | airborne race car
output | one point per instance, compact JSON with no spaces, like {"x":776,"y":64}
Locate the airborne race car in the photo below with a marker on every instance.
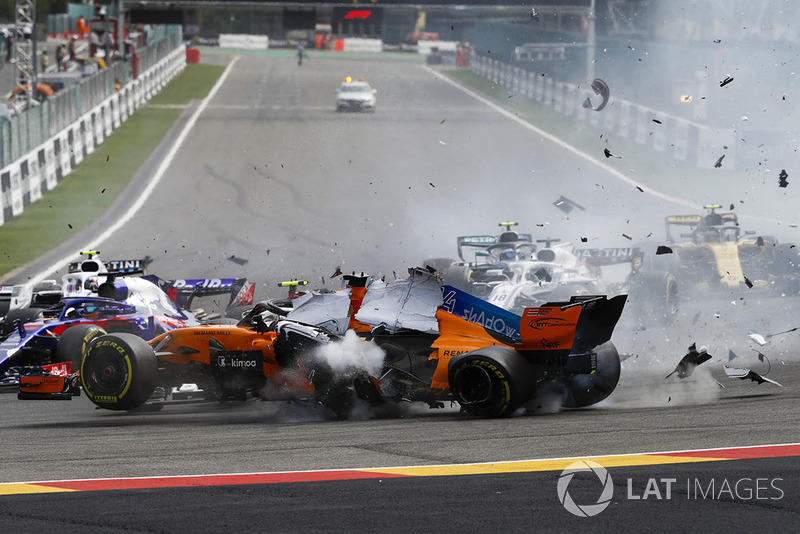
{"x":134,"y":305}
{"x":715,"y":255}
{"x":458,"y":348}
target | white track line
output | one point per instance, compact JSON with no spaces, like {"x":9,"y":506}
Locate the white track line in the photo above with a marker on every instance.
{"x":151,"y":185}
{"x":611,"y":170}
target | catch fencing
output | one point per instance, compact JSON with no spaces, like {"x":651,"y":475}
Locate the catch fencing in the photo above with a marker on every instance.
{"x":51,"y":140}
{"x":681,"y":138}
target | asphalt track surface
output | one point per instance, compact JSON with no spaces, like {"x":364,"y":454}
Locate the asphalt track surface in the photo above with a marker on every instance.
{"x":271,"y":173}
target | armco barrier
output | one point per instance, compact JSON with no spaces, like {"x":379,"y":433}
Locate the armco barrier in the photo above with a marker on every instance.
{"x":26,"y":179}
{"x":683,"y":139}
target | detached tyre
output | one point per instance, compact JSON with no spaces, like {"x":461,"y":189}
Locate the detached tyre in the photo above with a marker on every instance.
{"x":491,"y":382}
{"x":118,"y":371}
{"x":72,"y":344}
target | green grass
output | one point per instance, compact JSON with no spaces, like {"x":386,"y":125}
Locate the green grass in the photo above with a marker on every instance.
{"x":88,"y":191}
{"x":194,"y":82}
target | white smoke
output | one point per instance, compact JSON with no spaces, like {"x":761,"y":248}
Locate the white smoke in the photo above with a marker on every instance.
{"x":353,"y":353}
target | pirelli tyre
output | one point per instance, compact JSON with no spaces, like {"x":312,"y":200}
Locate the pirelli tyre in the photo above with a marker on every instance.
{"x":74,"y":341}
{"x":118,"y":371}
{"x":492,"y":381}
{"x":590,"y":388}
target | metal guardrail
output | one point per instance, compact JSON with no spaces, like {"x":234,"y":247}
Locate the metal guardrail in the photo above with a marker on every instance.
{"x":21,"y":133}
{"x":40,"y":169}
{"x":680,"y":138}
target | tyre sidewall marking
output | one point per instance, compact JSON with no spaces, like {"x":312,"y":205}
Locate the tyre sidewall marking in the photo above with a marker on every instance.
{"x":493,"y":369}
{"x":88,"y":337}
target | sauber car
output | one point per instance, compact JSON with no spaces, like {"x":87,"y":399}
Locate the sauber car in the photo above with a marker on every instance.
{"x":715,"y":254}
{"x":440,"y":345}
{"x":127,"y":304}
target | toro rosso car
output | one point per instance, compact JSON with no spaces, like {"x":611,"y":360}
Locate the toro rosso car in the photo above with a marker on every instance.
{"x":437,"y":345}
{"x":132,"y":305}
{"x":83,"y":277}
{"x":714,"y":254}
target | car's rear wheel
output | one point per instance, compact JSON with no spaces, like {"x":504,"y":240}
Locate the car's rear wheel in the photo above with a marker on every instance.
{"x":491,"y":382}
{"x":590,"y":388}
{"x":119,"y":371}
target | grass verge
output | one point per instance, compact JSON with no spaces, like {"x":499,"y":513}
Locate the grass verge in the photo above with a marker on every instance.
{"x":88,"y":191}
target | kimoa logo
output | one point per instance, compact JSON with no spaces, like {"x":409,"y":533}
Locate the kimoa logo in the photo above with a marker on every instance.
{"x":585,"y":510}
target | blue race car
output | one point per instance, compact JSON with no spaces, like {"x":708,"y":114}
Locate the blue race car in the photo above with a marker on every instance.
{"x":138,"y":305}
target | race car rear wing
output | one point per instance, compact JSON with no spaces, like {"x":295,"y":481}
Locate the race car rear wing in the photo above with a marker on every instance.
{"x":183,"y":291}
{"x":121,"y":267}
{"x":576,"y":326}
{"x":602,"y":257}
{"x":712,"y":219}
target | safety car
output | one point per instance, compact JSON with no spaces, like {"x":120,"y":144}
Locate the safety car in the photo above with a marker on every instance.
{"x":355,"y":95}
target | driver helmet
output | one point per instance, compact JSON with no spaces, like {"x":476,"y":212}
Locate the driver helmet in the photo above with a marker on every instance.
{"x":508,"y":255}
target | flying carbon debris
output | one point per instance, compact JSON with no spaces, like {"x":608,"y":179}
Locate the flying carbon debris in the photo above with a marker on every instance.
{"x":758,"y":338}
{"x":744,"y":374}
{"x":600,"y":88}
{"x":782,"y":178}
{"x":566,"y":205}
{"x":688,"y":363}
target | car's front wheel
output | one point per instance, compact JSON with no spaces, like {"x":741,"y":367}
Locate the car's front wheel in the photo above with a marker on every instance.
{"x":119,"y":371}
